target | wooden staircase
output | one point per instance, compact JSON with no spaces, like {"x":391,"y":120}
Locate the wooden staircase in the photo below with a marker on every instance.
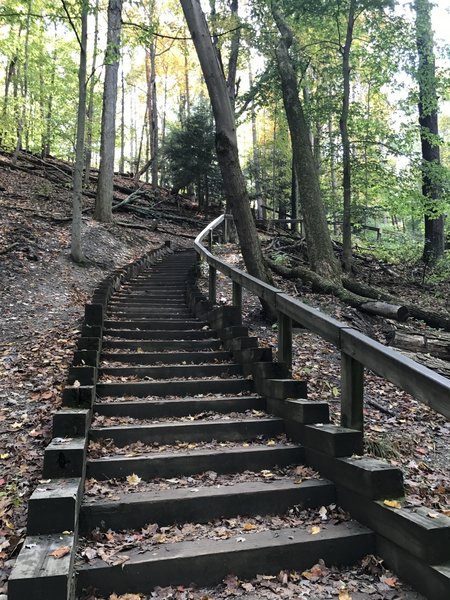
{"x":176,"y":367}
{"x":193,"y":428}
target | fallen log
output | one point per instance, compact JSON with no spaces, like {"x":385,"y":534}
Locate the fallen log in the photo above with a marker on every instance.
{"x":437,"y":364}
{"x":431,"y":318}
{"x":327,"y":286}
{"x":152,"y":227}
{"x":384,"y":309}
{"x":437,"y":345}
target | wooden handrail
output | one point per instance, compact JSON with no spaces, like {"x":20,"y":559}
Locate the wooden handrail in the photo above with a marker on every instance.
{"x":358,"y":351}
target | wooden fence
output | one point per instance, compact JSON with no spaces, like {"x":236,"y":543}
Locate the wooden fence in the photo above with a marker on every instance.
{"x":358,"y":351}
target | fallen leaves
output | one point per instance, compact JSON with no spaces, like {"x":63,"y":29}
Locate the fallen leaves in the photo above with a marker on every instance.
{"x":392,"y":503}
{"x":133,"y":480}
{"x":60,"y":552}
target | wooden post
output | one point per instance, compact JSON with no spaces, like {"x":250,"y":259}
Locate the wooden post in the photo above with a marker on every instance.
{"x":352,"y":393}
{"x":237,"y":296}
{"x":212,"y":284}
{"x":285,"y":340}
{"x":211,"y":234}
{"x":225,"y":230}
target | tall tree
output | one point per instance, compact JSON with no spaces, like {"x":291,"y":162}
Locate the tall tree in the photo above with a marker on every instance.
{"x":343,"y":126}
{"x":76,"y":249}
{"x":23,"y":112}
{"x":320,"y":250}
{"x":90,"y":109}
{"x":103,"y":204}
{"x":226,"y":139}
{"x":429,"y":133}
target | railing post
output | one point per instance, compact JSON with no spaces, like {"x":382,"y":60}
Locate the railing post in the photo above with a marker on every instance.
{"x":212,"y":284}
{"x":225,"y":230}
{"x":237,"y":296}
{"x":211,"y":235}
{"x":352,"y":393}
{"x":285,"y":339}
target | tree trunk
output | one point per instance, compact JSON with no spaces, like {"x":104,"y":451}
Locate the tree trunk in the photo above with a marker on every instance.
{"x":434,"y":344}
{"x":432,"y":318}
{"x":9,"y":75}
{"x":334,"y":194}
{"x":187,"y":92}
{"x":46,"y":146}
{"x":162,"y":180}
{"x":294,"y":197}
{"x":23,"y":112}
{"x":153,"y":117}
{"x":260,"y":212}
{"x":320,"y":251}
{"x":122,"y":124}
{"x":326,"y":286}
{"x":90,"y":110}
{"x":226,"y":140}
{"x":103,"y":202}
{"x":429,"y":134}
{"x":234,"y":53}
{"x":343,"y":126}
{"x":76,"y":249}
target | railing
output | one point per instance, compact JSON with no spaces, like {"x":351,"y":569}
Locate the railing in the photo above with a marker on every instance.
{"x":358,"y":352}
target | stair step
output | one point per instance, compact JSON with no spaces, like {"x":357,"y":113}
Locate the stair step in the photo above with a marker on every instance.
{"x":157,"y":310}
{"x":150,"y":301}
{"x":155,"y":334}
{"x":155,"y":324}
{"x":197,"y":431}
{"x":172,"y":464}
{"x":148,"y":409}
{"x":172,"y":371}
{"x":135,"y":510}
{"x":209,"y":561}
{"x":163,"y":345}
{"x":166,"y":357}
{"x":175,"y":387}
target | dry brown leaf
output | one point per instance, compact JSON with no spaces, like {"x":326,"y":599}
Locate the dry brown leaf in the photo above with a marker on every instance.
{"x":60,"y":552}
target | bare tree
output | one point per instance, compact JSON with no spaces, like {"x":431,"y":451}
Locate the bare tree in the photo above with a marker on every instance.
{"x":226,"y":139}
{"x":103,"y":204}
{"x":320,"y":250}
{"x":429,"y":133}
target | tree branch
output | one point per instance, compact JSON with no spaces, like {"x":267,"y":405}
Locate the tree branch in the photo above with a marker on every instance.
{"x":72,"y":24}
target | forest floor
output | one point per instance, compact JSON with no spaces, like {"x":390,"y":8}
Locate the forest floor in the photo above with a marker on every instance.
{"x":42,"y":297}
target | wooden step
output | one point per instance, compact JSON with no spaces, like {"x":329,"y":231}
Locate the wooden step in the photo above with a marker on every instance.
{"x":198,"y":431}
{"x":172,"y":464}
{"x":158,"y":346}
{"x":157,"y":334}
{"x":161,"y":407}
{"x":149,"y":358}
{"x":172,"y":372}
{"x":151,"y":324}
{"x":135,"y":510}
{"x":175,"y":387}
{"x":207,"y":562}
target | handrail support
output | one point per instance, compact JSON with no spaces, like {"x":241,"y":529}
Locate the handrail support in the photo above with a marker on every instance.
{"x":352,"y":393}
{"x":237,"y":296}
{"x":285,"y":340}
{"x":212,"y":288}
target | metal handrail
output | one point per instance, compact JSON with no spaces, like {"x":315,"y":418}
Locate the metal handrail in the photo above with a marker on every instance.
{"x":358,"y":351}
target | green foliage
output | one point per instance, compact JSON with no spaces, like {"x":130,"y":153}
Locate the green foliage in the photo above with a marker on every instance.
{"x":190,"y":150}
{"x":42,"y":88}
